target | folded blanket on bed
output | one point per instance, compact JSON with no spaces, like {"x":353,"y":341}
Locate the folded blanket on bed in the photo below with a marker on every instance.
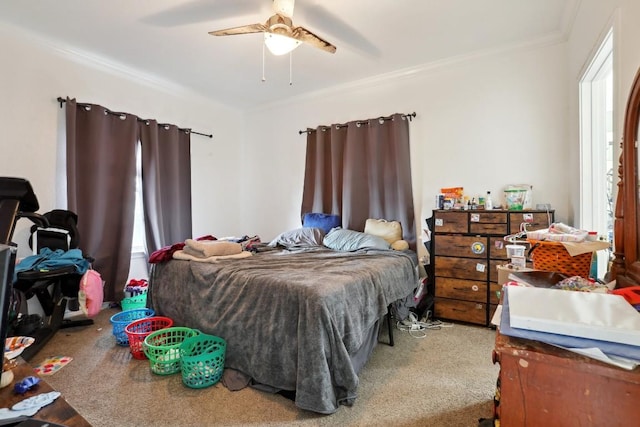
{"x":209,"y":248}
{"x":215,"y":258}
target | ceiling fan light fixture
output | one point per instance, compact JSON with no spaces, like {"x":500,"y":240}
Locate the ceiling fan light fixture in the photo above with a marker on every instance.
{"x":279,"y":44}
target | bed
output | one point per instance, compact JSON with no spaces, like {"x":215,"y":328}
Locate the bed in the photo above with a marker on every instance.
{"x":299,"y":319}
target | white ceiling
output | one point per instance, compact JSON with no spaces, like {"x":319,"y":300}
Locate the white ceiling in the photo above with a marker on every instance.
{"x":166,"y":41}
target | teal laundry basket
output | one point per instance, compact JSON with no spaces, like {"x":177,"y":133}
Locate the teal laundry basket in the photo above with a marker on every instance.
{"x":202,"y":360}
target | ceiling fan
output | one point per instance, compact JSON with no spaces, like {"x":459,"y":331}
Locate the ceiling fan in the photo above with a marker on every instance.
{"x":280,"y":36}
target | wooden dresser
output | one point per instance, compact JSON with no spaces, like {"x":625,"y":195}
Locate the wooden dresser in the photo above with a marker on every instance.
{"x":466,"y":248}
{"x":58,"y":412}
{"x":542,"y":385}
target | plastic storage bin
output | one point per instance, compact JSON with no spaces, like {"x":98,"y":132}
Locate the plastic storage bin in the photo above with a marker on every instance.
{"x":515,"y":250}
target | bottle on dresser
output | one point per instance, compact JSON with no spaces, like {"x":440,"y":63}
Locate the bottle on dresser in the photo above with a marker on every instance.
{"x":488,"y":203}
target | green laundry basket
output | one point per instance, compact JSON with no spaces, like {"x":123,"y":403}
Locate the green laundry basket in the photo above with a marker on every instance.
{"x":162,"y":348}
{"x":202,"y":360}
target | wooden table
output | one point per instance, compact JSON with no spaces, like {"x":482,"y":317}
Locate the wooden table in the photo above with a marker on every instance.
{"x":59,"y":411}
{"x":542,"y":385}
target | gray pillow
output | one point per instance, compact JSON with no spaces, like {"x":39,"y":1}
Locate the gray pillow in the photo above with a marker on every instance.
{"x":299,"y":238}
{"x":340,"y":239}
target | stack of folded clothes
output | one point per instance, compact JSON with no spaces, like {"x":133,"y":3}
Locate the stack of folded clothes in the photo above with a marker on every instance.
{"x":210,"y":250}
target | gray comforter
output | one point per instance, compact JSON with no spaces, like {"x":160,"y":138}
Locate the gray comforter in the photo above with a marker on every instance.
{"x":292,"y":320}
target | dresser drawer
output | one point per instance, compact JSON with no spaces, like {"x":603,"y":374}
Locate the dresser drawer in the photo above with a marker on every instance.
{"x":461,"y":268}
{"x":534,"y":220}
{"x":468,"y":290}
{"x":494,"y":290}
{"x":493,"y":269}
{"x":488,"y":222}
{"x":498,"y":248}
{"x":451,"y":222}
{"x":461,"y":246}
{"x":463,"y":311}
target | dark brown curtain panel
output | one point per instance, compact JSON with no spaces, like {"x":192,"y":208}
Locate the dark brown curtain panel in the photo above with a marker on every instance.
{"x":361,"y":170}
{"x":101,"y":171}
{"x":324,"y":171}
{"x":166,"y":182}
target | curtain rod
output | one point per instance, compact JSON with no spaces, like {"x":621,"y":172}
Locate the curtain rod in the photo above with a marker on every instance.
{"x":409,"y":116}
{"x":208,"y":135}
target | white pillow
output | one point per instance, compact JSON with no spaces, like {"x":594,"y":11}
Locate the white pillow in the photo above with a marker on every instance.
{"x":391,"y":231}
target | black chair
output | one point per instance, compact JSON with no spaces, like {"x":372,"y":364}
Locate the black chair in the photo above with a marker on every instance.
{"x":53,"y":288}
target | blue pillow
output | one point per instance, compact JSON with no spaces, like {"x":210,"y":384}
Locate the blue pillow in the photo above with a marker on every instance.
{"x":321,"y":220}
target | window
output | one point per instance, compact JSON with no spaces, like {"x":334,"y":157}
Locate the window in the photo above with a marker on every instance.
{"x":139,"y":267}
{"x":597,"y":170}
{"x":138,"y":245}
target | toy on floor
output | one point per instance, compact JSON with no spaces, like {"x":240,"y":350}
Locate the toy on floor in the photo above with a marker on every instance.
{"x":26,"y":384}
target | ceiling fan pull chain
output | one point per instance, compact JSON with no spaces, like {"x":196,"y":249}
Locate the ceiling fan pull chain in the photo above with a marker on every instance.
{"x":290,"y":68}
{"x":263,"y":77}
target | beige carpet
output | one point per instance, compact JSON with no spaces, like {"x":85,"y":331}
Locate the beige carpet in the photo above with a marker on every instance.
{"x":446,"y":379}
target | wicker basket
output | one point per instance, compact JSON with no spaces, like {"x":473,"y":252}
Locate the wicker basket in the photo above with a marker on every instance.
{"x":119,"y":321}
{"x":202,"y":360}
{"x":138,"y":330}
{"x":552,"y":256}
{"x":162,"y":348}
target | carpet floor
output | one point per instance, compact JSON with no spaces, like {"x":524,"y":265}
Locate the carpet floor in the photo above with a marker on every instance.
{"x":444,"y":379}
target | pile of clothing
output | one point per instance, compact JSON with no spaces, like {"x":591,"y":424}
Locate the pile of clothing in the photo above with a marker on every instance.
{"x":208,"y":249}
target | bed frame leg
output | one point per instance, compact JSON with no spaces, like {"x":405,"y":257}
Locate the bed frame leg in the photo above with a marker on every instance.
{"x":390,"y":325}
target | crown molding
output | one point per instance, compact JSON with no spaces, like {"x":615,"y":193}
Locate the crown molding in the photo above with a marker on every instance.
{"x":108,"y":66}
{"x":152,"y":81}
{"x":569,"y":16}
{"x":552,"y":39}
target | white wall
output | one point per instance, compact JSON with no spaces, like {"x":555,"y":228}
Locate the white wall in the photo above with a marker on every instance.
{"x":34,"y":74}
{"x":482,"y":123}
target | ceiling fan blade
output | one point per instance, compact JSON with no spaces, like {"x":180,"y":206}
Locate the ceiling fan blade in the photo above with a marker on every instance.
{"x":283,"y":7}
{"x":306,"y":36}
{"x":245,"y":29}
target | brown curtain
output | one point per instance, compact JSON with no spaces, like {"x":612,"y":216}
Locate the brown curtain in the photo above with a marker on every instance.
{"x":101,"y":171}
{"x":361,"y":170}
{"x":166,"y":182}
